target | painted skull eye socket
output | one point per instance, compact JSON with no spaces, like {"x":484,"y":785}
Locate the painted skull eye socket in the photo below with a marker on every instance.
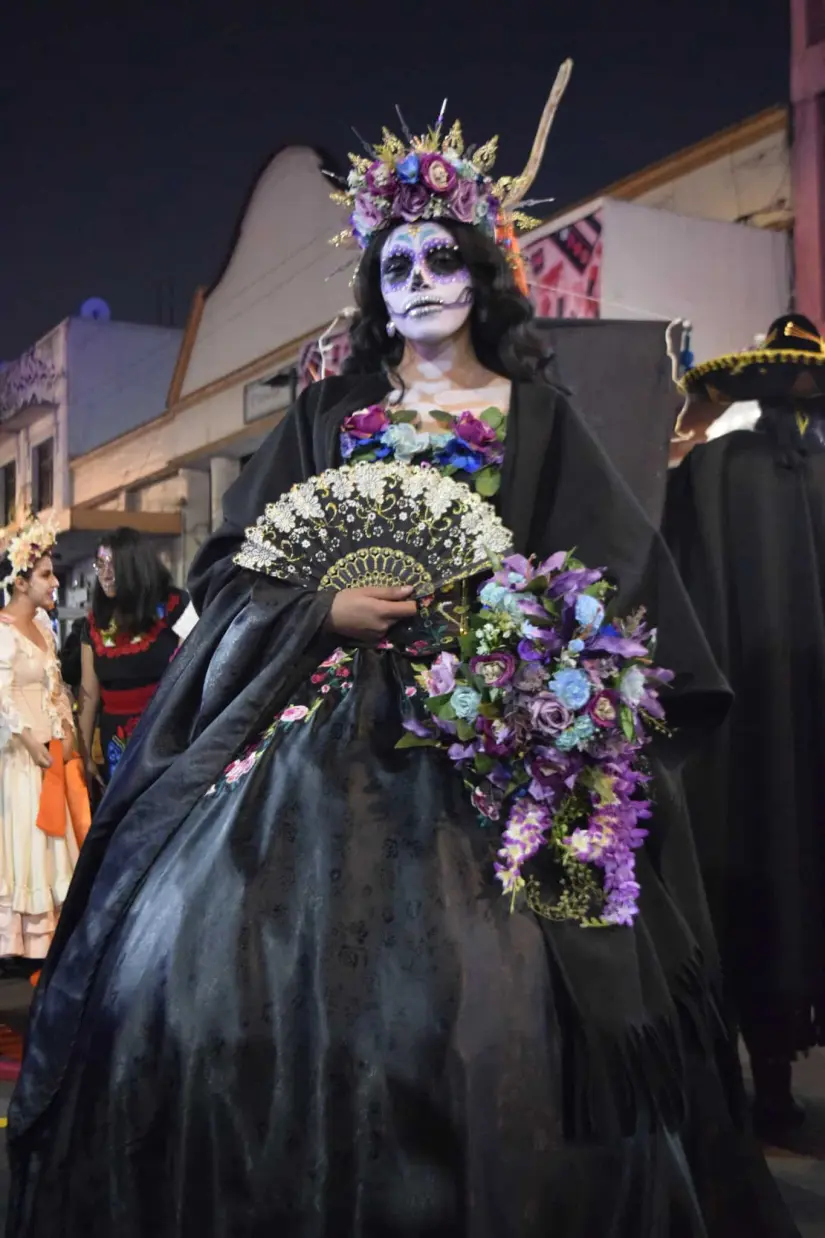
{"x":397,"y":268}
{"x":444,"y":260}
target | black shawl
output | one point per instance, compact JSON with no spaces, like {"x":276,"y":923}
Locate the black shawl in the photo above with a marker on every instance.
{"x":745,"y":517}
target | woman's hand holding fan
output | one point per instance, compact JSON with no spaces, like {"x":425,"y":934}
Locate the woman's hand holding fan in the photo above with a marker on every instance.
{"x":366,"y":615}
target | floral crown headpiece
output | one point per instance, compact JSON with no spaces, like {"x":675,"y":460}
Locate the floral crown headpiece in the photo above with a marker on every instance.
{"x":30,"y":542}
{"x":438,"y":177}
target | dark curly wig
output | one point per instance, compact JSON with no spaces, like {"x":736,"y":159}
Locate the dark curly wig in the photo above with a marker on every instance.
{"x":501,"y":321}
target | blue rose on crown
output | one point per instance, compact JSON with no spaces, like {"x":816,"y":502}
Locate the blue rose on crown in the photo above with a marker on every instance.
{"x":437,"y":177}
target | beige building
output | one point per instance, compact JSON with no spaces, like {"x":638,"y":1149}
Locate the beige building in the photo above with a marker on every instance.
{"x":245,"y":347}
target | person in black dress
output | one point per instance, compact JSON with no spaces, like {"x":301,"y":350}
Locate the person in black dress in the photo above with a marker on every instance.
{"x":286,"y":997}
{"x":745,"y":518}
{"x":136,"y":624}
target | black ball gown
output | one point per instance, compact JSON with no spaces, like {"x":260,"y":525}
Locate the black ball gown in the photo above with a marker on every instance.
{"x":286,"y":997}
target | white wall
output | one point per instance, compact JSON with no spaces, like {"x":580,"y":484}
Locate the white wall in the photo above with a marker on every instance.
{"x":283,"y":278}
{"x":744,"y":183}
{"x":729,"y":280}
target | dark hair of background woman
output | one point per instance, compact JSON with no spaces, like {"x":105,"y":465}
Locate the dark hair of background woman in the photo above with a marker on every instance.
{"x":504,"y":337}
{"x":142,"y":584}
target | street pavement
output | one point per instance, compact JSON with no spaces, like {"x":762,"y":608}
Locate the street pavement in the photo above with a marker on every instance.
{"x":799,"y":1167}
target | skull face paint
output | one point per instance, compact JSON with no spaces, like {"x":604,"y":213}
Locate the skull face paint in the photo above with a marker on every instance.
{"x":427,"y":288}
{"x":105,"y":570}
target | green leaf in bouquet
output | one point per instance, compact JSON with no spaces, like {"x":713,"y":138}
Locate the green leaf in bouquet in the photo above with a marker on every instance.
{"x":537,"y":585}
{"x":445,"y":711}
{"x":408,"y":740}
{"x":443,"y":419}
{"x":488,"y":710}
{"x":493,"y":416}
{"x":483,"y":763}
{"x":627,"y":723}
{"x":465,"y":730}
{"x":404,"y":416}
{"x":466,"y":645}
{"x":434,"y":703}
{"x":487,"y":482}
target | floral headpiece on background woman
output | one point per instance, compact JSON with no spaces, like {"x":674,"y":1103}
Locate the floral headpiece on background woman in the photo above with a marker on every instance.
{"x":24,"y":546}
{"x":438,"y":177}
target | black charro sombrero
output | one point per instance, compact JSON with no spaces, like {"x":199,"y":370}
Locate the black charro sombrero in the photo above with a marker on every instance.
{"x":788,"y":369}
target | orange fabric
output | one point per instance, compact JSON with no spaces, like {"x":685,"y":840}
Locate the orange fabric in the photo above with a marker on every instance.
{"x":64,"y":785}
{"x":506,"y":238}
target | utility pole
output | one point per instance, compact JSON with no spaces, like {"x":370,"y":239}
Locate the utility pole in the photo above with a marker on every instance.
{"x":808,"y":155}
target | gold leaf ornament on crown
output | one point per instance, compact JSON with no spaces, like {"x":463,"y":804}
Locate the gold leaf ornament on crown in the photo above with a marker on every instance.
{"x":436,"y":176}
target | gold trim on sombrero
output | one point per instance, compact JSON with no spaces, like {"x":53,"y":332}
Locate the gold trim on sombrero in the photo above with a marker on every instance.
{"x":736,"y":363}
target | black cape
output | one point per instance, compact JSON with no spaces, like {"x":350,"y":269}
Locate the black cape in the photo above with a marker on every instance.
{"x":745,"y":519}
{"x":637,"y":1007}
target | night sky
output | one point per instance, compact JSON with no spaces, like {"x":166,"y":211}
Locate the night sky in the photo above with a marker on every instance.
{"x":130,"y":134}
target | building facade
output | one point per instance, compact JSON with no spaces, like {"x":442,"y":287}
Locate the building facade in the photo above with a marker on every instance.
{"x":87,"y":382}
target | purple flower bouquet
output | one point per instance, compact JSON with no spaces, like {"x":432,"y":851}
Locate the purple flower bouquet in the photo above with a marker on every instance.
{"x":546,"y":712}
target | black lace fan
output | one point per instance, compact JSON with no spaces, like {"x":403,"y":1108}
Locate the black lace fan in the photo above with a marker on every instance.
{"x":376,"y":524}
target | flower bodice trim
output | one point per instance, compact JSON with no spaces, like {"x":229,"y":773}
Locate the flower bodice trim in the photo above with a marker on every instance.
{"x":111,"y":642}
{"x":469,"y":447}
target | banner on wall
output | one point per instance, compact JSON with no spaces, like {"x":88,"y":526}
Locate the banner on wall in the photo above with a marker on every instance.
{"x":564,"y":270}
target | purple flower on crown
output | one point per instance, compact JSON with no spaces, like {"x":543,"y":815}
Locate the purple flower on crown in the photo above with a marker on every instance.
{"x":381,"y":180}
{"x":369,"y":214}
{"x":463,"y":201}
{"x":410,"y":202}
{"x":437,"y":174}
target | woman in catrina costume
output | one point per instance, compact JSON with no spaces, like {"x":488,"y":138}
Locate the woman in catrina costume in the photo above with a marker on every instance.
{"x":287,"y":996}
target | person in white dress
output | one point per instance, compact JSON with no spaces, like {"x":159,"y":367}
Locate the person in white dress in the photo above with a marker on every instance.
{"x":35,"y":867}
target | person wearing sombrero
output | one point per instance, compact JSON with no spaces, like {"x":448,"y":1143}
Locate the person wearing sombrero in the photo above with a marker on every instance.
{"x":745,"y":519}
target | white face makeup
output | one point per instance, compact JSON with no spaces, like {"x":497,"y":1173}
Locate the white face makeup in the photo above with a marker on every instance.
{"x":105,"y":570}
{"x":426,"y":286}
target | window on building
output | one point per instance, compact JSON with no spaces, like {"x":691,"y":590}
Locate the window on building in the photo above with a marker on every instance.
{"x":43,"y":475}
{"x":8,"y":492}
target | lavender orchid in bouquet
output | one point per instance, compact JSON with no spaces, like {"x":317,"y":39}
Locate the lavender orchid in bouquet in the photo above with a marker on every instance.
{"x":546,"y":712}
